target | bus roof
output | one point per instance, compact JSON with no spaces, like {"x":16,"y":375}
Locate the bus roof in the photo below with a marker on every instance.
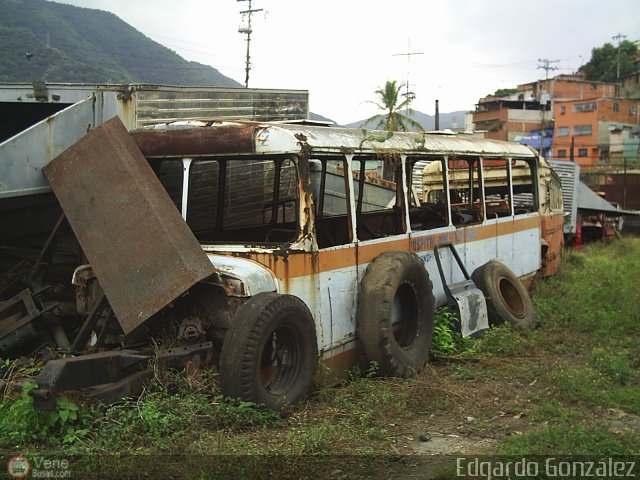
{"x":245,"y":137}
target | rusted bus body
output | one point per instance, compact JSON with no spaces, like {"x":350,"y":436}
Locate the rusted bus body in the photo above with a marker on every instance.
{"x":279,"y":219}
{"x":553,"y":240}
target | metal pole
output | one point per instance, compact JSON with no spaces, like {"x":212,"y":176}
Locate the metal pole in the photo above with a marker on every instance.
{"x":618,"y":37}
{"x":248,"y":62}
{"x":248,"y":32}
{"x":624,"y":181}
{"x":546,"y":66}
{"x":571,"y":155}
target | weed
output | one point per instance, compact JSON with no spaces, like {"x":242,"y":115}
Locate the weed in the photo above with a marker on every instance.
{"x":164,"y":419}
{"x":368,"y":401}
{"x":444,"y":337}
{"x":499,"y":340}
{"x":465,"y":371}
{"x":590,"y":386}
{"x":238,"y":414}
{"x":553,"y":410}
{"x":447,"y":340}
{"x":615,"y":365}
{"x":20,"y":423}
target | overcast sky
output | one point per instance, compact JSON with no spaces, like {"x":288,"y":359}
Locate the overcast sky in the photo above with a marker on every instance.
{"x":343,"y":50}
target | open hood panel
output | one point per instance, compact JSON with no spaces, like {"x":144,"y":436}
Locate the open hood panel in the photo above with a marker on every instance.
{"x":141,"y":250}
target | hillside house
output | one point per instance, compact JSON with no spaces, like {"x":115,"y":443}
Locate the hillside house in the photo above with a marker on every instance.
{"x":593,"y":131}
{"x":530,"y":106}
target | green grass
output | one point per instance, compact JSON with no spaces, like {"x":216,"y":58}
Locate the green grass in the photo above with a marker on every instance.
{"x":574,"y":439}
{"x":589,"y":315}
{"x":565,"y":378}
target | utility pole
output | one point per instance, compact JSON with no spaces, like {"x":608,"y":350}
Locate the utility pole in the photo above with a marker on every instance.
{"x":246,"y":29}
{"x":547,"y":66}
{"x":618,"y":37}
{"x":408,"y":54}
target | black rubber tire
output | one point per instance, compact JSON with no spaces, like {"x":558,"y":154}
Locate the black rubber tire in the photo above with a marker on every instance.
{"x":269,"y":353}
{"x":507,"y":298}
{"x":400,"y":280}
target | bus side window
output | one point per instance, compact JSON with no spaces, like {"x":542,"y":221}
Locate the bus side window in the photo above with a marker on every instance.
{"x":202,"y":206}
{"x":497,"y":192}
{"x":328,"y":182}
{"x":169,"y":172}
{"x":524,"y":197}
{"x":466,"y":195}
{"x":243,"y":200}
{"x":432,"y":211}
{"x":378,"y":209}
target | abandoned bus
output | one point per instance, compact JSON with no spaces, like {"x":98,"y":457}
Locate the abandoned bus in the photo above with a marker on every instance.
{"x":331,"y":234}
{"x":329,"y":246}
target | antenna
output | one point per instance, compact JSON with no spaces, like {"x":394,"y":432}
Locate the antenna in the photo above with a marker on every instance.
{"x":246,"y":29}
{"x":408,"y":54}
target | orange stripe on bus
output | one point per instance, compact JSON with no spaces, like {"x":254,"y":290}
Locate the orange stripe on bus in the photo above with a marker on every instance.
{"x":300,"y":264}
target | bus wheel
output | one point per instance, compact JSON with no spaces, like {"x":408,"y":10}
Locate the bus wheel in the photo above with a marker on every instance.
{"x":269,"y":353}
{"x":395,"y":313}
{"x":507,"y":298}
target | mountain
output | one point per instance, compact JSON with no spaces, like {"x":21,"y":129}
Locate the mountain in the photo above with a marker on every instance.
{"x":319,"y":118}
{"x":447,"y":120}
{"x":61,"y":43}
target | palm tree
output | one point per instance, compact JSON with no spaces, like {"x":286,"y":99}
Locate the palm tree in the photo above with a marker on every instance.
{"x":392,"y":120}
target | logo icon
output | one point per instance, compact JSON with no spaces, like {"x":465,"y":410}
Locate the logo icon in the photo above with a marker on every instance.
{"x":18,"y":467}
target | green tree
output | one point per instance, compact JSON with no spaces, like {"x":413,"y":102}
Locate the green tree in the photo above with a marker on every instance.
{"x":503,"y":92}
{"x":389,"y":100}
{"x":603,"y":66}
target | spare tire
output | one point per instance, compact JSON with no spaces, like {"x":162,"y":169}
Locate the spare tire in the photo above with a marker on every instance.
{"x":395,"y":313}
{"x":269,"y":353}
{"x":507,"y":298}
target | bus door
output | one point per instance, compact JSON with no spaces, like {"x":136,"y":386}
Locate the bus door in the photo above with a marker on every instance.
{"x":337,"y":279}
{"x":526,"y":247}
{"x":498,"y":194}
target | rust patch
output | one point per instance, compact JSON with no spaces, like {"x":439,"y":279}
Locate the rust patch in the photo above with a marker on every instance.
{"x":553,"y":235}
{"x":195,"y":141}
{"x":338,"y":366}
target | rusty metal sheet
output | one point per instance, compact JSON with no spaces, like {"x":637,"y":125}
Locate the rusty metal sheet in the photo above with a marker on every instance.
{"x":139,"y":247}
{"x":184,"y":142}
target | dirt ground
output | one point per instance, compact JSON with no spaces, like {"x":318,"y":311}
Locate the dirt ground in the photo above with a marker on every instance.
{"x":481,"y":413}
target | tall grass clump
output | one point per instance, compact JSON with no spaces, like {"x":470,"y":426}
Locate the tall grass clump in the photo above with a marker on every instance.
{"x":594,"y":294}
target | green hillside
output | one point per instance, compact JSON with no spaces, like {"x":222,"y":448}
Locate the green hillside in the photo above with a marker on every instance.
{"x":72,"y":44}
